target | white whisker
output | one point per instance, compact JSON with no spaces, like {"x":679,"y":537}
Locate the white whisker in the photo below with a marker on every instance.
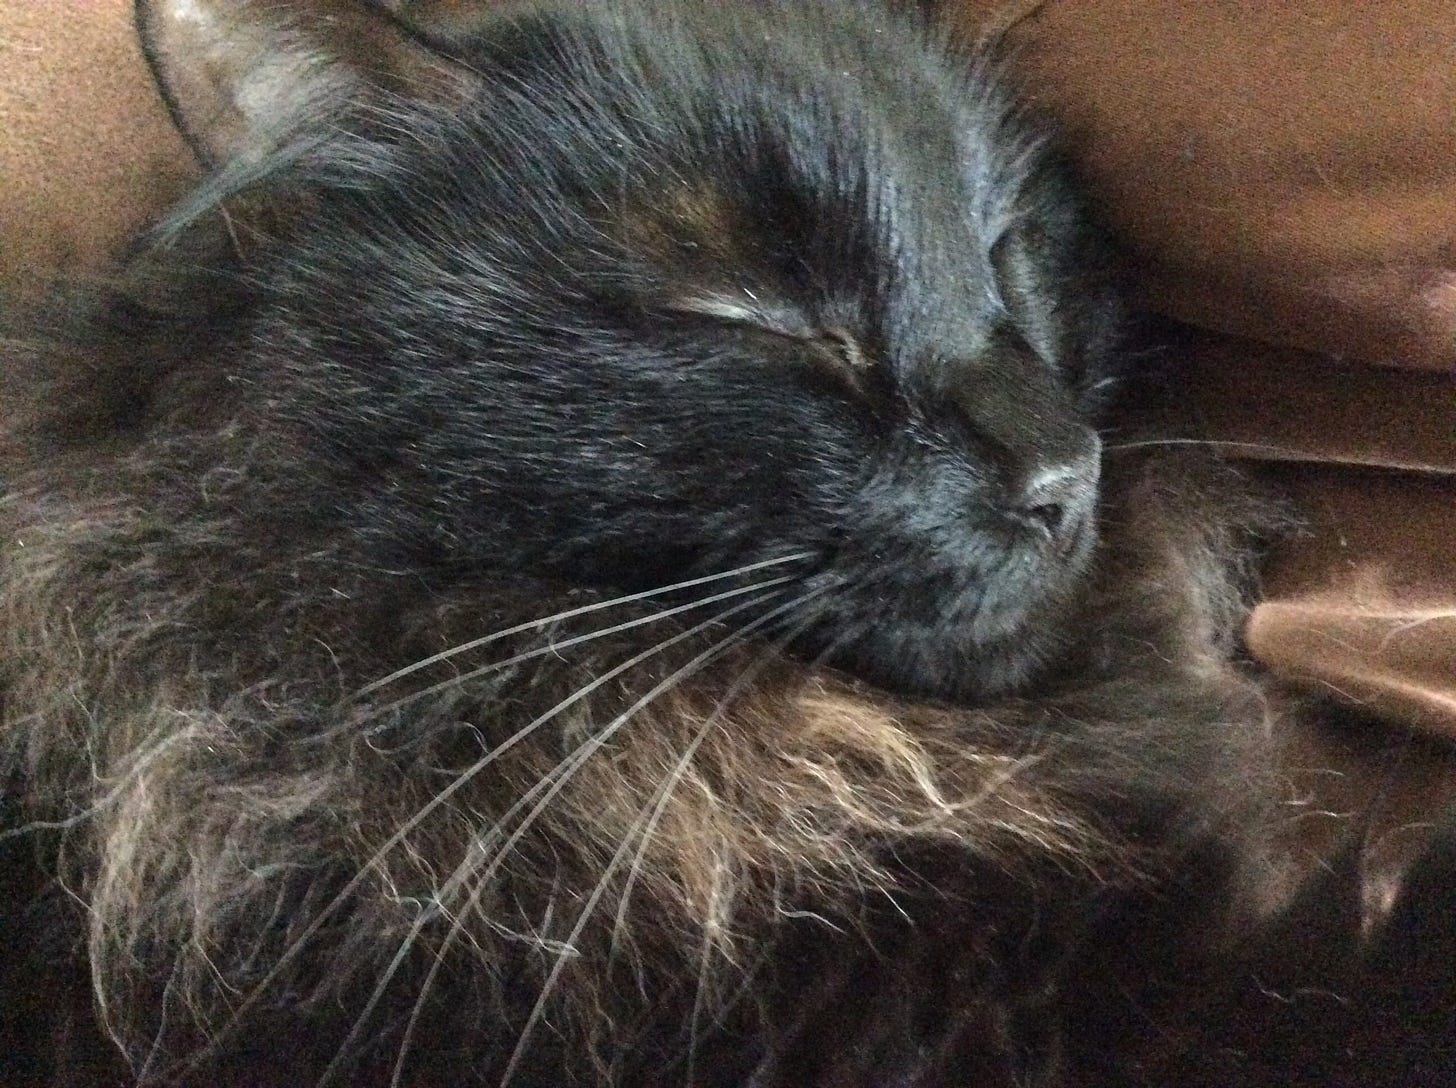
{"x":1212,"y":443}
{"x":704,"y":658}
{"x":555,"y":647}
{"x":465,"y":777}
{"x":571,"y":613}
{"x":563,"y":774}
{"x":664,"y":792}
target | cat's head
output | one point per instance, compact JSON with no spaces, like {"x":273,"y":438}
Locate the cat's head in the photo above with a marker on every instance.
{"x":625,"y":294}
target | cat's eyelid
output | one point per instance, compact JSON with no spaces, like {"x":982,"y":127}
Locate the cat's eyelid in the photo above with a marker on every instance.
{"x":847,"y":347}
{"x":780,"y":320}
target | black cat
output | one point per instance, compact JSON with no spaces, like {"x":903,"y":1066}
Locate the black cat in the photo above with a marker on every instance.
{"x":581,"y":555}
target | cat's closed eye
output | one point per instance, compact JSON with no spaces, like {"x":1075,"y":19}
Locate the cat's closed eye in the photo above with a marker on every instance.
{"x":834,"y":347}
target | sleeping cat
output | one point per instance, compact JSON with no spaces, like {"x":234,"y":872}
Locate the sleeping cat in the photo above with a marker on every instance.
{"x":582,"y":554}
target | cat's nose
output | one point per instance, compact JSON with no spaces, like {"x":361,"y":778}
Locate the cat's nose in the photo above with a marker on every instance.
{"x":1057,"y":500}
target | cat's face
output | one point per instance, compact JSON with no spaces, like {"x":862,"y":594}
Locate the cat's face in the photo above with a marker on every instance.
{"x":644,"y":307}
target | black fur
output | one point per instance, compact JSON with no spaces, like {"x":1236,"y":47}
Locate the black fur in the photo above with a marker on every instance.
{"x":462,"y":285}
{"x":680,"y":288}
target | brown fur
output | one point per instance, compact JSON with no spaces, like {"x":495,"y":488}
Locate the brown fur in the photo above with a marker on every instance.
{"x":212,"y":752}
{"x":180,"y":703}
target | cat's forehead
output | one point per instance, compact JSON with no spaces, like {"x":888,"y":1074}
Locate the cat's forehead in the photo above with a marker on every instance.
{"x":796,"y":159}
{"x":713,"y":124}
{"x":828,"y":206}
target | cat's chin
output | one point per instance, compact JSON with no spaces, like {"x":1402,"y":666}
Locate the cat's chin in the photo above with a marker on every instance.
{"x":972,"y":635}
{"x":951,"y":671}
{"x":956,"y":659}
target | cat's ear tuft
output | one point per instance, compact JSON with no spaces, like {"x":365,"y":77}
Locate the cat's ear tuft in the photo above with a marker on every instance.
{"x":243,"y":76}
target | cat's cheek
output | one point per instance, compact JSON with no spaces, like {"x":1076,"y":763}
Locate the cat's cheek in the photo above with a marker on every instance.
{"x":961,"y":632}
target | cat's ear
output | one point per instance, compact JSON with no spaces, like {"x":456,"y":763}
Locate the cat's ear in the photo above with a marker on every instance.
{"x":244,"y":76}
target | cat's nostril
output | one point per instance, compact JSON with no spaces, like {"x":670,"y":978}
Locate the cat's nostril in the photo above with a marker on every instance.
{"x":1048,"y":516}
{"x":1058,"y":501}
